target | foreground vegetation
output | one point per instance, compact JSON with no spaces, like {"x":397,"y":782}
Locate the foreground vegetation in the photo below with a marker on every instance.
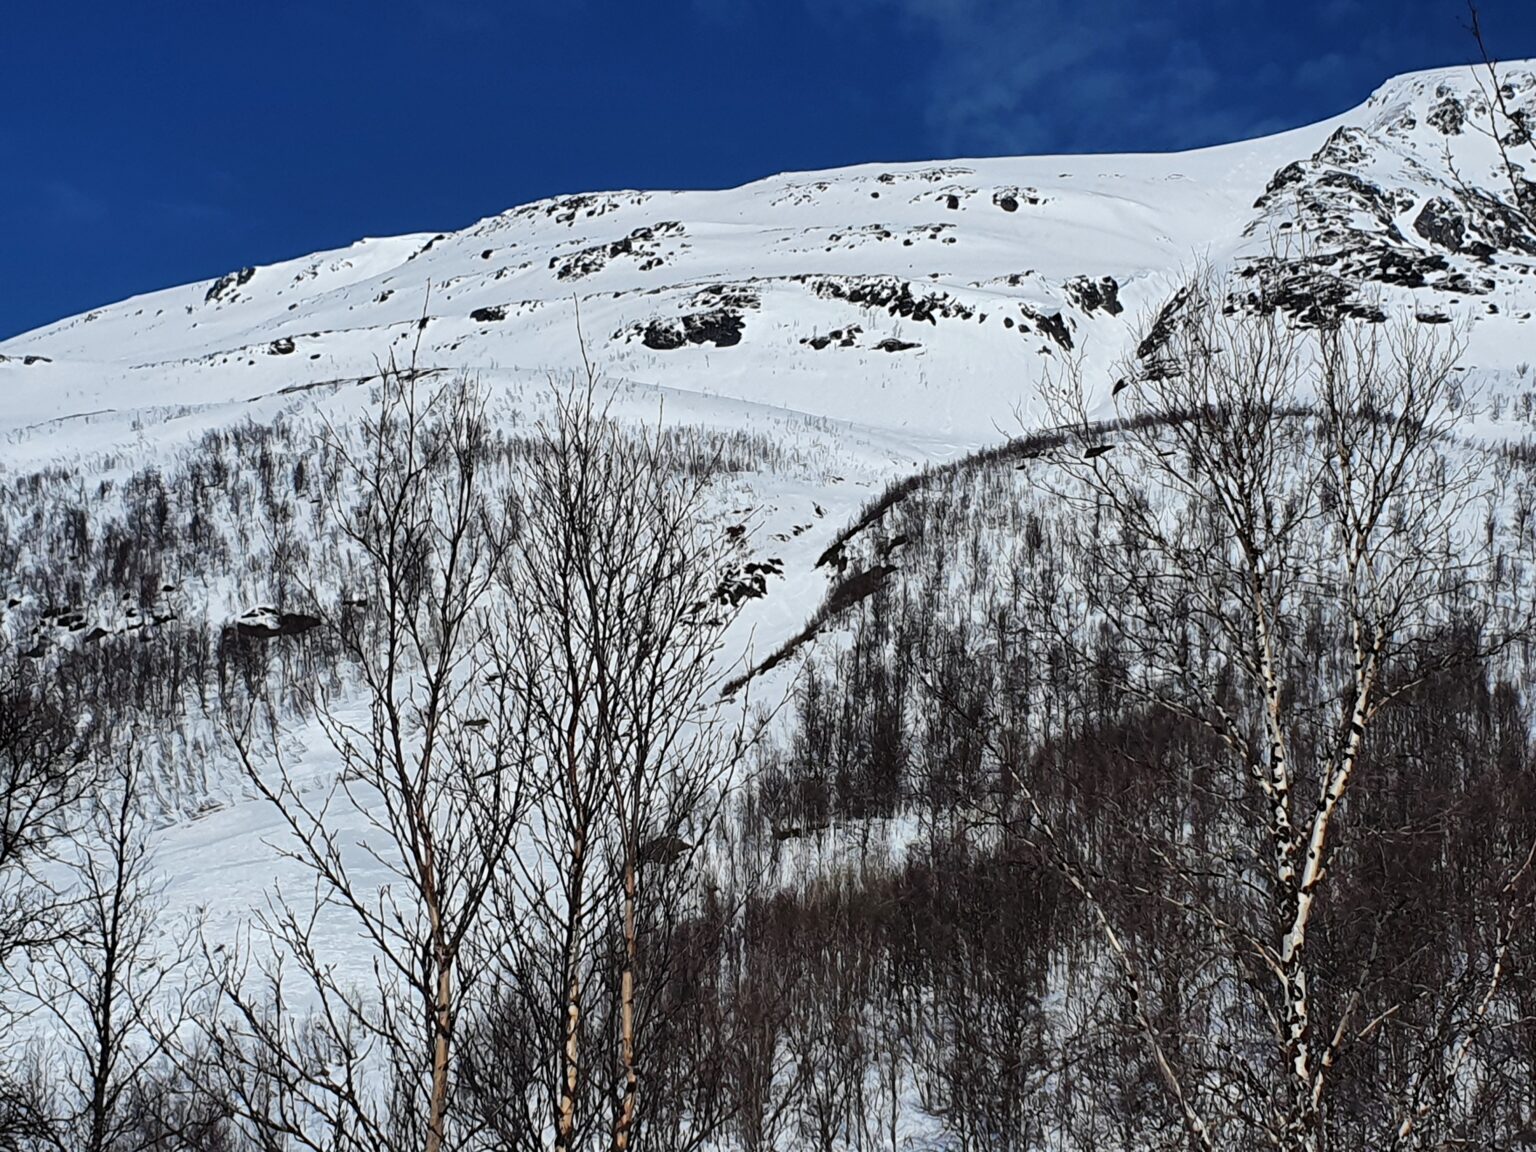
{"x":1161,"y":782}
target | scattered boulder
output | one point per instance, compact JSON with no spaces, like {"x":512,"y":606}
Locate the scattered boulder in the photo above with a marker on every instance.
{"x":842,"y":337}
{"x":644,"y":245}
{"x":894,"y":295}
{"x":488,"y":315}
{"x":267,"y":623}
{"x":1091,"y":295}
{"x":1449,"y":116}
{"x":1054,"y":326}
{"x":1442,"y":224}
{"x":228,"y":284}
{"x":747,"y":582}
{"x":720,"y":327}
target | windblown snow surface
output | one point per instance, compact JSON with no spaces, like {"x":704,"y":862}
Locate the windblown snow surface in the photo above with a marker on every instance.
{"x":869,"y":321}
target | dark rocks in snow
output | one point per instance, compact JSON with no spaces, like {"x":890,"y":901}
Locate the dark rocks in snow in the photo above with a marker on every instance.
{"x":1309,"y":292}
{"x":282,"y":346}
{"x":748,"y":582}
{"x":1397,"y":267}
{"x":265,"y":624}
{"x":893,"y":295}
{"x":427,"y":247}
{"x":1347,"y":146}
{"x":1162,"y":325}
{"x":952,"y":202}
{"x":1009,"y":199}
{"x":1091,"y":295}
{"x":720,"y":327}
{"x":737,"y":297}
{"x":842,"y":337}
{"x":1448,"y":116}
{"x":228,"y":284}
{"x":663,"y":336}
{"x":1353,"y":237}
{"x":1371,"y":197}
{"x":1502,"y":228}
{"x":1054,"y":326}
{"x":1462,"y":284}
{"x":488,"y":315}
{"x":1441,"y":223}
{"x":643,"y":244}
{"x":891,"y":344}
{"x":1292,"y":174}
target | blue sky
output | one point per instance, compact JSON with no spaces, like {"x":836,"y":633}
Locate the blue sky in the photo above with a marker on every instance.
{"x":153,"y":143}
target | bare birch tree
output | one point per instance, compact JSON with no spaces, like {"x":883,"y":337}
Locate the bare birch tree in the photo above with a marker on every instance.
{"x":404,"y":844}
{"x":1282,"y":536}
{"x":113,"y":986}
{"x":613,"y":581}
{"x":45,"y":773}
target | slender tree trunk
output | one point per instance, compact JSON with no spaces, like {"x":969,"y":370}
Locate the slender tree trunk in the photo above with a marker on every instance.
{"x":570,"y":1073}
{"x":443,"y":1022}
{"x":624,"y":1126}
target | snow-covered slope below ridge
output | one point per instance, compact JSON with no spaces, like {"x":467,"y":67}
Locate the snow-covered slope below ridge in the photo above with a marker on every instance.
{"x":789,"y":291}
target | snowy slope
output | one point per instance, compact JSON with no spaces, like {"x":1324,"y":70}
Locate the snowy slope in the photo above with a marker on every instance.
{"x":746,"y":280}
{"x":871,"y":320}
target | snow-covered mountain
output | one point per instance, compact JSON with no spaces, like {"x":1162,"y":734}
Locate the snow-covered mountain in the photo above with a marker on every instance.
{"x":862,"y":323}
{"x":915,"y":298}
{"x":837,"y":337}
{"x":882,"y":317}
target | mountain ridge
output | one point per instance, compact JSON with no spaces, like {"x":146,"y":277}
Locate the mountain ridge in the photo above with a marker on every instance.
{"x":781,"y":290}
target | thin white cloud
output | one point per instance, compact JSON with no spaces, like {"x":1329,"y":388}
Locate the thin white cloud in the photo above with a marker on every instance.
{"x":1074,"y":75}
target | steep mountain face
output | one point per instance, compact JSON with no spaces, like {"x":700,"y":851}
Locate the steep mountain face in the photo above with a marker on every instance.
{"x":839,"y":330}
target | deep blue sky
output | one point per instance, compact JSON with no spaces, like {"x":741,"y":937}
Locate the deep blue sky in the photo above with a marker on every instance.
{"x":149,"y":143}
